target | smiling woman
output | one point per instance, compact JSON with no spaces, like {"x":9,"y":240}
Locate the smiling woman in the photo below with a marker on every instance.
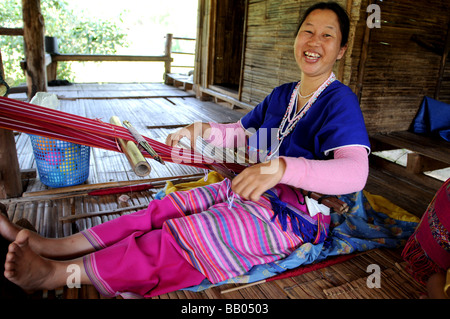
{"x":319,"y":43}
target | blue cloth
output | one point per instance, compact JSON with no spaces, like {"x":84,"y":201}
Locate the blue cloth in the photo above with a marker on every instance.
{"x":300,"y":226}
{"x":334,"y":120}
{"x":433,"y":118}
{"x":361,"y":229}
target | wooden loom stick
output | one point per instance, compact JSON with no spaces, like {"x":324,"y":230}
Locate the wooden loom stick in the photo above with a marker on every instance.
{"x":332,"y":202}
{"x":85,"y":188}
{"x":101,"y":213}
{"x":135,"y":158}
{"x":142,"y":142}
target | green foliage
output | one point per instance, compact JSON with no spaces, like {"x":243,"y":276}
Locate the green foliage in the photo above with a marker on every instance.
{"x":76,"y":34}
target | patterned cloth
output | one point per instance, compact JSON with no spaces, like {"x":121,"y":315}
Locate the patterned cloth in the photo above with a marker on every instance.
{"x":188,"y":236}
{"x":428,"y":249}
{"x":224,"y":238}
{"x":371,"y":222}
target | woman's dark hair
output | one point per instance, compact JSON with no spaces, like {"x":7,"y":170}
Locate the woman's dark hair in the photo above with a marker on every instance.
{"x":344,"y":21}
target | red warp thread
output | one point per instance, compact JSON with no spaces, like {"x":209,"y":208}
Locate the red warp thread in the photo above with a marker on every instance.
{"x":33,"y":119}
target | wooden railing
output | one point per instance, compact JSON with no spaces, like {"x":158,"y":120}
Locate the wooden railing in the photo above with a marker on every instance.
{"x":166,"y":58}
{"x":51,"y":60}
{"x":11,"y":32}
{"x":183,"y":52}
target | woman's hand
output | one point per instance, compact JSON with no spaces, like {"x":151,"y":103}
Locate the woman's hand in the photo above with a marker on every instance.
{"x":252,"y":182}
{"x":191,"y":132}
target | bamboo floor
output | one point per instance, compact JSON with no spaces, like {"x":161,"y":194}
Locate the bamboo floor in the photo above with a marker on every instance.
{"x":156,"y":110}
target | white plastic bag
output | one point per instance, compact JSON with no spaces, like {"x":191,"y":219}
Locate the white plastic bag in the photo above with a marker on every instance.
{"x":314,"y":207}
{"x":46,"y":99}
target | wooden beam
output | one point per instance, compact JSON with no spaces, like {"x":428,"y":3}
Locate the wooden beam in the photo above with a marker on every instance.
{"x":127,"y":97}
{"x":436,"y":149}
{"x":168,"y":54}
{"x":244,"y":43}
{"x":171,"y":126}
{"x":10,"y":178}
{"x":11,"y":31}
{"x":362,"y":62}
{"x":111,"y":58}
{"x":229,"y":99}
{"x":101,"y":213}
{"x":417,"y":163}
{"x":401,"y":172}
{"x":33,"y":35}
{"x":157,"y":182}
{"x":2,"y":70}
{"x":442,"y":65}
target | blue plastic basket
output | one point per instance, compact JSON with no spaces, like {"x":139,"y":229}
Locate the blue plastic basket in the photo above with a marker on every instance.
{"x":60,"y":163}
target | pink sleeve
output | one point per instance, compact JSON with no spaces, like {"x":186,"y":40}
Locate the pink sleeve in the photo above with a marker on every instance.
{"x":346,"y":173}
{"x":226,"y":135}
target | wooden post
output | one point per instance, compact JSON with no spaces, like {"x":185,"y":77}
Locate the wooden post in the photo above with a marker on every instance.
{"x":33,"y":35}
{"x":442,"y":65}
{"x":2,"y":71}
{"x":168,"y":54}
{"x":10,"y":181}
{"x":51,"y":70}
{"x":362,"y":62}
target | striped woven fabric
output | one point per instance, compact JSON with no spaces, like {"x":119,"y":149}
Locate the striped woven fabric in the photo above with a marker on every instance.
{"x":224,"y":238}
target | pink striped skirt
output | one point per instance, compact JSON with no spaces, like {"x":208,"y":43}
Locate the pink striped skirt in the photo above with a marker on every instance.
{"x":204,"y":232}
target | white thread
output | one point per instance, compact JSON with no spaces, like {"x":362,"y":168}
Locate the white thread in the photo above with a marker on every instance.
{"x":230,"y":200}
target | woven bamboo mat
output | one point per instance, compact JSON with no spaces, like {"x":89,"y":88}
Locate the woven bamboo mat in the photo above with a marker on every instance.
{"x":347,"y":280}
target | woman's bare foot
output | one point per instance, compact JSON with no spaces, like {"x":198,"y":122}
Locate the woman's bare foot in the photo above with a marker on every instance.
{"x":27,"y":269}
{"x":8,"y":230}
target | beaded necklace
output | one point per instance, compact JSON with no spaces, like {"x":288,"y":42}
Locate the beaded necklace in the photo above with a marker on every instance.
{"x":291,"y":117}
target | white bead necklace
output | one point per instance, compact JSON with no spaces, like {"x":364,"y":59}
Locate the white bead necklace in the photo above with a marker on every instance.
{"x":305,"y":96}
{"x":291,"y":117}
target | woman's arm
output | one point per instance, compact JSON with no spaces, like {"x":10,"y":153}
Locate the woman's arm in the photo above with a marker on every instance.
{"x":220,"y":135}
{"x":192,"y":131}
{"x":226,"y":135}
{"x":346,"y":173}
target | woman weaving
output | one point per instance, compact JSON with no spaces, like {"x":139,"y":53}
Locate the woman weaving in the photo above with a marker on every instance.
{"x":222,"y":230}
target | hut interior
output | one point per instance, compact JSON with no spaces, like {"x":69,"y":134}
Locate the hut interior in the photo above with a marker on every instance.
{"x":243,"y":51}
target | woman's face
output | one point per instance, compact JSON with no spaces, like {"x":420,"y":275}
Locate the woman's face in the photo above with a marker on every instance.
{"x":318,"y":43}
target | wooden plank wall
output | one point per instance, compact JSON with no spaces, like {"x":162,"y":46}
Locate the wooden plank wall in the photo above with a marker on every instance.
{"x":268,"y":56}
{"x":403,"y":60}
{"x":202,"y":44}
{"x":402,"y":64}
{"x":444,"y":92}
{"x":393,"y":70}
